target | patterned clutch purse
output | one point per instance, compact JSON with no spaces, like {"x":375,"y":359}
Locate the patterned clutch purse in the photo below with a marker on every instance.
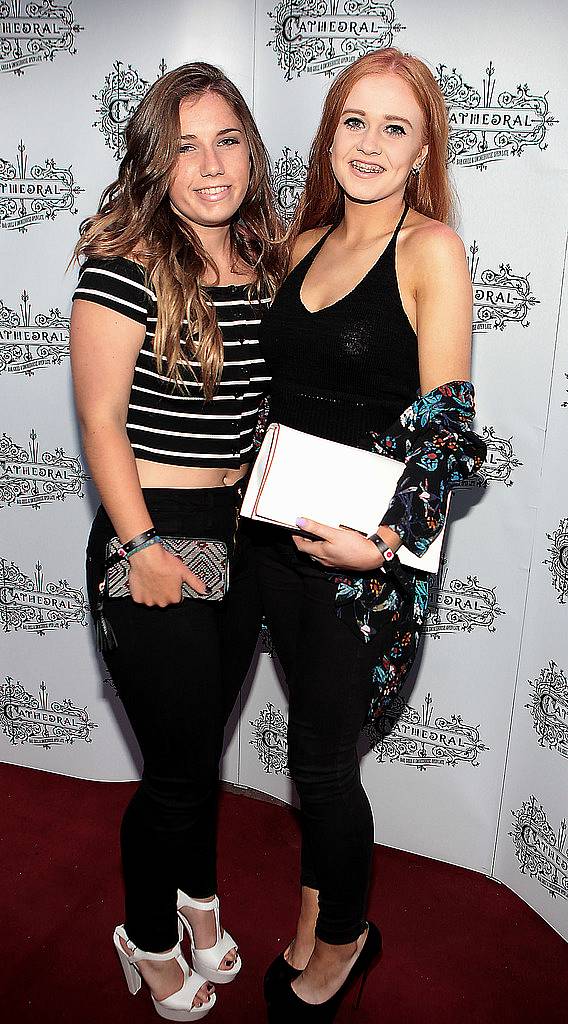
{"x":207,"y":558}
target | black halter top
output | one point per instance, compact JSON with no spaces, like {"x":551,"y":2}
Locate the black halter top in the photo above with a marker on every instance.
{"x":345,"y":369}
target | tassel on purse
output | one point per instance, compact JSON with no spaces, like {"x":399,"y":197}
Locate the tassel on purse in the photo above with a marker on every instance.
{"x":105,"y":636}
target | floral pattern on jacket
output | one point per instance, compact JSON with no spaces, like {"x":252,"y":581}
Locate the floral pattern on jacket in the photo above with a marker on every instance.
{"x":434,"y":440}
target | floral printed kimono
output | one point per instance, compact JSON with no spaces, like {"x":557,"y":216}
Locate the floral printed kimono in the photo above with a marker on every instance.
{"x":432,"y":437}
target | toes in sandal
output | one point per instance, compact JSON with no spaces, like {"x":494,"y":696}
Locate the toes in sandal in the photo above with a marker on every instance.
{"x":206,"y":961}
{"x":178,"y":1006}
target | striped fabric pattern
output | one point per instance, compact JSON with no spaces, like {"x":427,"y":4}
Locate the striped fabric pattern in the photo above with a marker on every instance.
{"x":174,"y":424}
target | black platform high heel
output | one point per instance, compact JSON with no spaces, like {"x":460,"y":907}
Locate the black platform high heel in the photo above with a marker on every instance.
{"x":279,"y":972}
{"x":285,"y":1007}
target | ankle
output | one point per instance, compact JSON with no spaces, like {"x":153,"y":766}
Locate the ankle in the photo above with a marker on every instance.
{"x":129,"y":947}
{"x":198,"y":904}
{"x":327,"y":953}
{"x":306,"y":927}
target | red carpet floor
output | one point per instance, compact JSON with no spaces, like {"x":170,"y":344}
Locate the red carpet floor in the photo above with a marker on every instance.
{"x":458,"y":947}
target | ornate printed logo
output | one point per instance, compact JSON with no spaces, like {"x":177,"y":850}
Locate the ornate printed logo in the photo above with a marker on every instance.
{"x":481,"y":130}
{"x":27,"y":345}
{"x":28,"y":478}
{"x":288,"y":182}
{"x":500,"y":460}
{"x":37,"y":34}
{"x":549,"y":708}
{"x":269,"y":738}
{"x":28,"y":719}
{"x":122,"y":92}
{"x":498,"y":465}
{"x":27,"y":198}
{"x":460,"y":606}
{"x":417,"y":740}
{"x":540,"y":851}
{"x":500,"y":297}
{"x":558,"y":561}
{"x":320,"y":36}
{"x":36,"y":606}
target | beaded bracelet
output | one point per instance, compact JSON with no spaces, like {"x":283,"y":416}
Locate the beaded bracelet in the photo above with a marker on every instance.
{"x":137,"y":541}
{"x":147,"y":543}
{"x":129,"y":546}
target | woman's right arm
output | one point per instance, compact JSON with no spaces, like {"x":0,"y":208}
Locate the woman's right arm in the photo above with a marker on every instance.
{"x":104,"y":348}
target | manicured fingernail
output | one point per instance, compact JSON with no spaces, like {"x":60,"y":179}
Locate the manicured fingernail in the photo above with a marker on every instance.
{"x":300,"y":521}
{"x":208,"y":589}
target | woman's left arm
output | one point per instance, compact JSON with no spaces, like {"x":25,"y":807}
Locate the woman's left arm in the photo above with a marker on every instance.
{"x":443,"y":307}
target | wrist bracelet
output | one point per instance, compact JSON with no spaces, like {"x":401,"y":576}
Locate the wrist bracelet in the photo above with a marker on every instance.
{"x":147,"y":544}
{"x":140,"y":538}
{"x":392,"y":565}
{"x":388,"y":554}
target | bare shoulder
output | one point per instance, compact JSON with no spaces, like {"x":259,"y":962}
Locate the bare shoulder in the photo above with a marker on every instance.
{"x":431,"y":243}
{"x":304,"y":243}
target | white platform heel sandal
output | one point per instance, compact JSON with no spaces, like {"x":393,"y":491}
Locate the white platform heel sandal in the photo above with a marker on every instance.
{"x":178,"y":1006}
{"x":207,"y":961}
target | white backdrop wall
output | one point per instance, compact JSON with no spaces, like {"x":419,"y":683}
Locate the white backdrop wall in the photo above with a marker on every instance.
{"x":471,"y":766}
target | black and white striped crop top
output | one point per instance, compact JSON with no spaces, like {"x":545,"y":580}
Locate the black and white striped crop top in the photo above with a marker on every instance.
{"x":173,"y":424}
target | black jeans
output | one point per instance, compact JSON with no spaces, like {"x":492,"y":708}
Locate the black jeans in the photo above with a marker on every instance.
{"x":328,"y":670}
{"x":177,"y":671}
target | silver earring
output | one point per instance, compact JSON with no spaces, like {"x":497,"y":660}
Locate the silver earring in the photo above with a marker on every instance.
{"x":416,"y":170}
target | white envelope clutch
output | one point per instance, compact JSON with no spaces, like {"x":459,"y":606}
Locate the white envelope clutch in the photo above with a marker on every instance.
{"x":298,"y":474}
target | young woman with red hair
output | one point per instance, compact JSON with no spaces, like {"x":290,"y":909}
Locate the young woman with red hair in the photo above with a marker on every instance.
{"x":368,"y":343}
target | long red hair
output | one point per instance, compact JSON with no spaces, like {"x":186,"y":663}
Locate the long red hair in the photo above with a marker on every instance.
{"x":322,"y":201}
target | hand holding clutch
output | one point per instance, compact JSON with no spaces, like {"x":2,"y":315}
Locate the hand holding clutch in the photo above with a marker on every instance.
{"x":334,"y":484}
{"x":341,"y":548}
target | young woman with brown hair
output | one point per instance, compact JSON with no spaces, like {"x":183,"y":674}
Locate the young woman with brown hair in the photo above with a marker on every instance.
{"x":168,"y":381}
{"x":376,"y":310}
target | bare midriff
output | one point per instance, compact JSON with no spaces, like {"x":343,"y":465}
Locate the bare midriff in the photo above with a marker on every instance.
{"x":157,"y":474}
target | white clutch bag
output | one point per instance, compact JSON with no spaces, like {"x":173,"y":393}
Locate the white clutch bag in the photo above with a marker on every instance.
{"x":298,"y":474}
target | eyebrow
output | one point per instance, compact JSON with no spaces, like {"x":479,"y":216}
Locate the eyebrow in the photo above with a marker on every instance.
{"x":222,"y":132}
{"x":388,"y":117}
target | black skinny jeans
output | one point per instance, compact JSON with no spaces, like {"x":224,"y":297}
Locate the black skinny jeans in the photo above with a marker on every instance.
{"x":178,"y":671}
{"x":328,"y":670}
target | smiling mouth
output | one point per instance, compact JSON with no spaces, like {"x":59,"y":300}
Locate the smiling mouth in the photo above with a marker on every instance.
{"x":365,"y":168}
{"x":213,"y":191}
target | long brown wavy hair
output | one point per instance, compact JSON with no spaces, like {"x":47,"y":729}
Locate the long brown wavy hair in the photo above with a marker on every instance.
{"x":322,"y":201}
{"x":135,"y":219}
